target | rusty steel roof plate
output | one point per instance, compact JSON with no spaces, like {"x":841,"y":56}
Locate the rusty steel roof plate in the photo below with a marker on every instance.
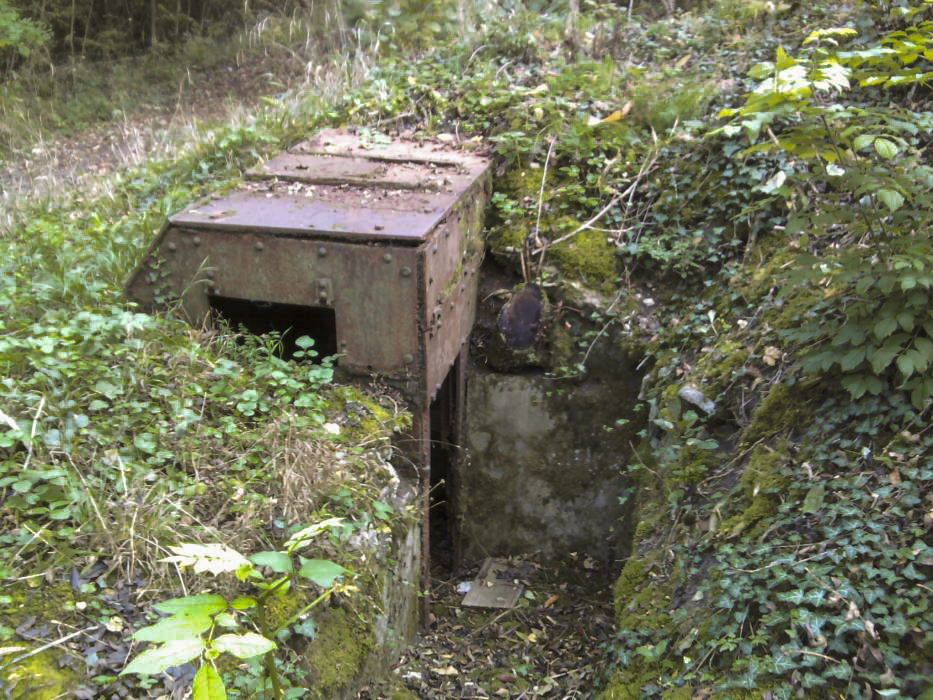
{"x":323,"y":212}
{"x":340,"y":186}
{"x":342,"y":143}
{"x":318,"y":169}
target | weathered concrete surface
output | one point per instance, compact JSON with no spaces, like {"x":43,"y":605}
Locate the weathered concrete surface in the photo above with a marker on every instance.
{"x":353,"y":648}
{"x":544,"y":464}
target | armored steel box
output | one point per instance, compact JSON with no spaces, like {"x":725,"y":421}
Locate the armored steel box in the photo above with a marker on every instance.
{"x":369,"y":245}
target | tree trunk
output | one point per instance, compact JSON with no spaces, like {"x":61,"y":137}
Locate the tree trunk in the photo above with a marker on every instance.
{"x":153,"y":8}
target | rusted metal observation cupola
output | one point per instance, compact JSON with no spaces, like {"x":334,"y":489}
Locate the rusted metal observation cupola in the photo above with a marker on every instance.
{"x":371,"y":247}
{"x":374,"y":247}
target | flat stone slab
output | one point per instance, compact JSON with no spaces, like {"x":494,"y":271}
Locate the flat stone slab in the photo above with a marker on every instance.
{"x":499,"y":584}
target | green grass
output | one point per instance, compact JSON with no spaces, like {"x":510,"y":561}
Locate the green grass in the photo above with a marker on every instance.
{"x":119,"y":444}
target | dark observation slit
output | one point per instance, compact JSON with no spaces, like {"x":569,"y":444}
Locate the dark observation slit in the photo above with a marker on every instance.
{"x":291,"y":321}
{"x":445,"y":451}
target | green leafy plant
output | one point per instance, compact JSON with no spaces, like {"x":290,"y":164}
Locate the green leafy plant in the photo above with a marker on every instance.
{"x":19,"y":36}
{"x":206,"y":626}
{"x":858,"y":190}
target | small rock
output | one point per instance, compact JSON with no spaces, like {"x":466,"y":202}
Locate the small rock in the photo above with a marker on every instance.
{"x":691,"y":394}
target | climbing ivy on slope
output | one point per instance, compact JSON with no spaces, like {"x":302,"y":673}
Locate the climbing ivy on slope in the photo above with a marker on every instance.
{"x":784,"y":541}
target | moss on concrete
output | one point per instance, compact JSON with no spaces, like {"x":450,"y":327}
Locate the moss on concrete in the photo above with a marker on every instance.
{"x":780,"y":410}
{"x":336,"y":657}
{"x":587,"y":256}
{"x":762,"y":483}
{"x":41,"y":676}
{"x":366,"y":419}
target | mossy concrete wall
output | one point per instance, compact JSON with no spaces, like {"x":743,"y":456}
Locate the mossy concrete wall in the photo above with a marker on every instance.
{"x":355,"y":645}
{"x":544,"y":467}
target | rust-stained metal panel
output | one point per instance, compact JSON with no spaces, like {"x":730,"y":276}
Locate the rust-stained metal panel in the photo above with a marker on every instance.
{"x":317,"y":169}
{"x":372,"y":289}
{"x":321,"y":213}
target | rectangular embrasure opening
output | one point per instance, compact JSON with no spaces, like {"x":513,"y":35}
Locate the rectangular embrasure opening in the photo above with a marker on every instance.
{"x":290,"y":321}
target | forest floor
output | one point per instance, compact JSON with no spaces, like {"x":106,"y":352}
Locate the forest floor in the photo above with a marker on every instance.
{"x":148,"y":130}
{"x":552,"y":644}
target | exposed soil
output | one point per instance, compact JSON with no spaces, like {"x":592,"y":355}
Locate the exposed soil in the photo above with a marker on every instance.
{"x":147,"y":131}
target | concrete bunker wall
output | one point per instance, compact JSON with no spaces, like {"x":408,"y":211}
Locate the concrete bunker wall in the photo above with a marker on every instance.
{"x":542,"y":473}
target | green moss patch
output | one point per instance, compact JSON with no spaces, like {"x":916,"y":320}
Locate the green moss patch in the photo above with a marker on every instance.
{"x":338,"y":654}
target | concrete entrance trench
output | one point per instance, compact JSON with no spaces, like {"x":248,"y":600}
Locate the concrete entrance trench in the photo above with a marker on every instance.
{"x":375,"y":250}
{"x":520,"y":462}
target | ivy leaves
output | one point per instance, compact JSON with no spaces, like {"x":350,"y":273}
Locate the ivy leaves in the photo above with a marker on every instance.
{"x":858,"y":188}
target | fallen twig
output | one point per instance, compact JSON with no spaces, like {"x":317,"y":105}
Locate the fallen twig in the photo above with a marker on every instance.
{"x":646,"y":167}
{"x":56,"y":643}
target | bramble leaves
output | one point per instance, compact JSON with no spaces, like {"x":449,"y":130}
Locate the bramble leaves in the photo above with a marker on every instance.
{"x":870,"y":323}
{"x":213,"y":558}
{"x":244,"y":646}
{"x":279,"y":562}
{"x":190,"y":629}
{"x":206,"y":604}
{"x":321,"y":571}
{"x":179,"y":626}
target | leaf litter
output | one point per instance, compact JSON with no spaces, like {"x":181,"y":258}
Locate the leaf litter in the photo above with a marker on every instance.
{"x":550,"y":645}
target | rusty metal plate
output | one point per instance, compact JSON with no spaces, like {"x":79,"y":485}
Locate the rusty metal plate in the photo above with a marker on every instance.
{"x":387,"y":236}
{"x":322,"y":212}
{"x":335,"y":142}
{"x":361,"y":172}
{"x":498,"y":584}
{"x":372,"y":289}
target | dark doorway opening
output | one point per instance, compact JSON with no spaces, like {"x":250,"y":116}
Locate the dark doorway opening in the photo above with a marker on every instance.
{"x":291,"y":321}
{"x":446,"y":424}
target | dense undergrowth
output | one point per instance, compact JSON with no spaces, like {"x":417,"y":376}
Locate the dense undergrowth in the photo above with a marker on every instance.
{"x":783,"y":546}
{"x":123,"y":434}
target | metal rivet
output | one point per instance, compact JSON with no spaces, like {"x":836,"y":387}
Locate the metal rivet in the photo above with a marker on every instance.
{"x":451,"y":305}
{"x":210,"y":274}
{"x":434,"y":250}
{"x":322,"y":284}
{"x":322,"y":296}
{"x":343,"y":343}
{"x":406,"y":272}
{"x":259,"y":245}
{"x":387,"y":258}
{"x":172,"y":246}
{"x":322,"y":252}
{"x":196,"y":240}
{"x":408,"y":358}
